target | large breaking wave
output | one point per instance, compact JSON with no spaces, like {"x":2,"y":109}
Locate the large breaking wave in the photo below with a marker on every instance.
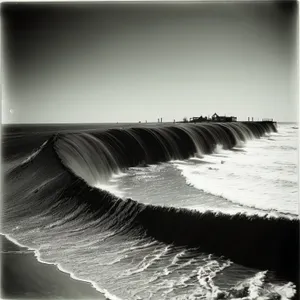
{"x":96,"y":156}
{"x":60,"y":180}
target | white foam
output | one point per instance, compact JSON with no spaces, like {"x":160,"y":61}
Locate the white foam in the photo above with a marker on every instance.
{"x":34,"y":154}
{"x":256,"y":284}
{"x":263,"y":177}
{"x":218,"y":149}
{"x":286,"y":291}
{"x":37,"y":254}
{"x":205,"y":277}
{"x":258,"y":289}
{"x":177,"y":257}
{"x":113,"y":189}
{"x":145,"y":264}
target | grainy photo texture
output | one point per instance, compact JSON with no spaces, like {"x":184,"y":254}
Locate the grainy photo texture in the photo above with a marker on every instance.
{"x":149,"y":150}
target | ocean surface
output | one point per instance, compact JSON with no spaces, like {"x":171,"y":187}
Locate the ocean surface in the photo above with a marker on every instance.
{"x":185,"y":211}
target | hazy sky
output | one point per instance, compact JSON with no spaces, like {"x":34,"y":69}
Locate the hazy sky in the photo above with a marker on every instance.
{"x":125,"y":62}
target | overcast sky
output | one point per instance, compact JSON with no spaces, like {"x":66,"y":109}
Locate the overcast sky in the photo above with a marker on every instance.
{"x":79,"y":63}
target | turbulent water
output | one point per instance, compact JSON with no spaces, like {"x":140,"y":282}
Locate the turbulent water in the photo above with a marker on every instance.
{"x":207,"y":211}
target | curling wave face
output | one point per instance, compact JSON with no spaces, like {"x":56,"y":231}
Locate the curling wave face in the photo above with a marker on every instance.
{"x":96,"y":156}
{"x":52,"y":204}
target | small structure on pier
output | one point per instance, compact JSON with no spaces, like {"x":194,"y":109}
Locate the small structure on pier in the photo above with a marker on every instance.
{"x":216,"y":118}
{"x":198,"y":119}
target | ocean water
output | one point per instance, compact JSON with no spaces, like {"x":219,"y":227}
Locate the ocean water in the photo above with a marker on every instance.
{"x":214,"y":208}
{"x":259,"y":176}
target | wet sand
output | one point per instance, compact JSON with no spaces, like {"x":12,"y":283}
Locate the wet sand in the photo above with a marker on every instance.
{"x":24,"y":277}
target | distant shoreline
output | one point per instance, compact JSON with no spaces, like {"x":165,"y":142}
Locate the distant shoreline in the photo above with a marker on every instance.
{"x":120,"y":123}
{"x":24,"y":277}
